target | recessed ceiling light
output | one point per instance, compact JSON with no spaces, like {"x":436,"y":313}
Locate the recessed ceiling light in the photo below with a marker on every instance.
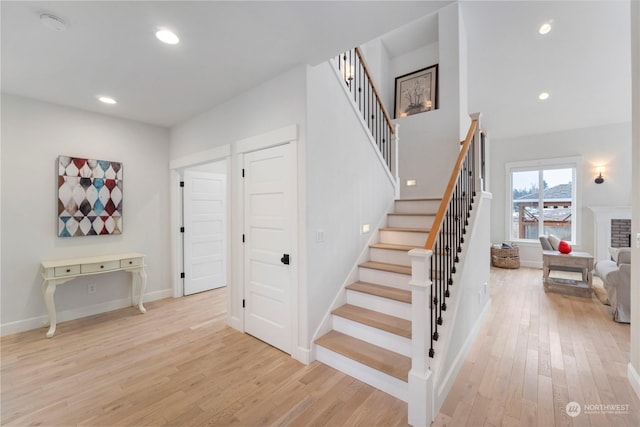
{"x":545,"y":28}
{"x":107,"y":100}
{"x":52,"y":22}
{"x":543,"y":96}
{"x":167,"y":37}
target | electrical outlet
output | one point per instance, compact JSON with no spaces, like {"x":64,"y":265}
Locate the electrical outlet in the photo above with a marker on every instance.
{"x":91,"y":288}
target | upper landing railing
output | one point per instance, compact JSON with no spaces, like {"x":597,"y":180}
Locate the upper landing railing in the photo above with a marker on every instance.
{"x":358,"y":81}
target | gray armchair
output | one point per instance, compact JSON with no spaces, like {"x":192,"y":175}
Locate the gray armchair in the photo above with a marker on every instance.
{"x":616,"y":276}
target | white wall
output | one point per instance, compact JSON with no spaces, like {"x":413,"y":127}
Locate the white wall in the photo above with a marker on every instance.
{"x":346,"y":187}
{"x":276,"y":104}
{"x":271,"y":105}
{"x":609,"y":145}
{"x":33,"y":135}
{"x":378,"y":63}
{"x":429,"y":142}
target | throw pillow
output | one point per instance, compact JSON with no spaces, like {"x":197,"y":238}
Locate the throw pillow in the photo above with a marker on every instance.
{"x":555,"y":241}
{"x":564,"y":247}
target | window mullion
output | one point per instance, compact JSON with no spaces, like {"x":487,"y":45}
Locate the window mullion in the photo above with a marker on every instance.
{"x":540,"y":202}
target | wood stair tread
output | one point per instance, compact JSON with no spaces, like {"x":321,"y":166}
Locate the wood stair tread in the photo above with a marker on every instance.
{"x":389,"y":362}
{"x":406,"y":230}
{"x":381,"y":291}
{"x":394,"y":247}
{"x":391,"y":324}
{"x":383,"y":266}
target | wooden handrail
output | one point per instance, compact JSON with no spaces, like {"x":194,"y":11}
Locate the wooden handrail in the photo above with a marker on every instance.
{"x":446,"y":198}
{"x":373,"y":86}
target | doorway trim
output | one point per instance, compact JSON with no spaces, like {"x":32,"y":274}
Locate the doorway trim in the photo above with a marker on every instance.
{"x":280,"y":136}
{"x":176,"y":167}
{"x":233,"y":153}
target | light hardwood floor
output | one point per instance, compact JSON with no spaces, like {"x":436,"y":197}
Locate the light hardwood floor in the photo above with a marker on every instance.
{"x":179,"y":364}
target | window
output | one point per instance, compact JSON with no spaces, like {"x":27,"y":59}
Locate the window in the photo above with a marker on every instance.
{"x":543,"y":199}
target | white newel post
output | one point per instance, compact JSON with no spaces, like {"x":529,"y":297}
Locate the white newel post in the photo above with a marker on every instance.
{"x":477,"y":142}
{"x":421,"y":398}
{"x":396,"y":152}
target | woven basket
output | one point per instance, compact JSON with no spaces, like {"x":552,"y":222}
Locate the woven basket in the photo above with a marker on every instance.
{"x":505,"y":258}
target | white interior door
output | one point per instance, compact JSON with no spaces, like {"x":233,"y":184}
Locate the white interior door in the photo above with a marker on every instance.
{"x":205,"y":229}
{"x":269,"y":215}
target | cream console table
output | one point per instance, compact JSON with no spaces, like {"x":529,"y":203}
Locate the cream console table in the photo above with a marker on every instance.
{"x":58,"y":272}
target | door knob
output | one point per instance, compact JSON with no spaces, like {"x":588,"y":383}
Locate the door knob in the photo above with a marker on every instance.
{"x":285,"y":259}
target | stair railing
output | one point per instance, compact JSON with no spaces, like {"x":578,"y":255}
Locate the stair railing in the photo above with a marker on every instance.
{"x":449,"y":228}
{"x":433,"y":267}
{"x":357,"y":78}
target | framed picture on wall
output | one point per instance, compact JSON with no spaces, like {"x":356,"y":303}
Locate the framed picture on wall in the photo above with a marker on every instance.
{"x":417,"y":92}
{"x":89,"y":197}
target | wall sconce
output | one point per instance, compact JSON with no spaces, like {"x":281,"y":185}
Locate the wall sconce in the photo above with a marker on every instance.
{"x":599,"y":179}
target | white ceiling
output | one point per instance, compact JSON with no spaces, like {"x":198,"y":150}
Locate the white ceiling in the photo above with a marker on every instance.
{"x":584,"y":63}
{"x":226,"y":48}
{"x":229,"y":47}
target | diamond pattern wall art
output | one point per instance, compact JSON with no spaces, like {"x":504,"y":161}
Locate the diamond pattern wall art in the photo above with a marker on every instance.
{"x":89,"y":197}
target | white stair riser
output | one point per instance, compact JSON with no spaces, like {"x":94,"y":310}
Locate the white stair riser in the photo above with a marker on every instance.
{"x":374,"y":336}
{"x":388,"y":384}
{"x":410,"y":221}
{"x":380,"y":304}
{"x":385,"y":278}
{"x":409,"y":238}
{"x":390,"y":256}
{"x":416,"y":206}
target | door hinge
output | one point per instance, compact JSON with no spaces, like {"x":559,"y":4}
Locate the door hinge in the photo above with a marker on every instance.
{"x":243,"y":238}
{"x":181,"y":183}
{"x":243,"y":303}
{"x":182,"y":229}
{"x":182,"y":275}
{"x":243,"y":173}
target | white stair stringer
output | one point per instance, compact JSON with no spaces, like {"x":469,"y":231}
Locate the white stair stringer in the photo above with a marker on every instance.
{"x":386,"y":383}
{"x":380,"y":304}
{"x":375,"y":336}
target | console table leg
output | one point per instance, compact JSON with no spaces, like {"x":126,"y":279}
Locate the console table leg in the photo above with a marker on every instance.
{"x":143,"y":285}
{"x":49,"y":288}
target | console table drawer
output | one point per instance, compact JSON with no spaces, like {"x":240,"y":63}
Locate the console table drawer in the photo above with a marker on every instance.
{"x":66,"y":270}
{"x":130,"y":262}
{"x":100,"y":266}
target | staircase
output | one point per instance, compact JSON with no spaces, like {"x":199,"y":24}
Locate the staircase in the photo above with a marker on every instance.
{"x":371,"y":336}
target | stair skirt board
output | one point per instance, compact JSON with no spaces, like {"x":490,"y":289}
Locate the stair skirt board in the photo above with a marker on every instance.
{"x":380,"y":304}
{"x":417,"y":205}
{"x":375,"y":336}
{"x":411,"y":238}
{"x":385,"y":278}
{"x":410,"y":221}
{"x":390,"y":256}
{"x":386,"y":383}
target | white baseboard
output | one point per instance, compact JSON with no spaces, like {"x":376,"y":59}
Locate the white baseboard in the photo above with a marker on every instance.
{"x":634,"y":379}
{"x":77,"y":313}
{"x":445,"y":385}
{"x":302,"y":355}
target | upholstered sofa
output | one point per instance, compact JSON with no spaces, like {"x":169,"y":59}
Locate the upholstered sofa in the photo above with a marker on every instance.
{"x":616,"y":276}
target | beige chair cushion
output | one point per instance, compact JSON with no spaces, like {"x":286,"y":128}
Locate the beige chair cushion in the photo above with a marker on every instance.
{"x":554,"y":241}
